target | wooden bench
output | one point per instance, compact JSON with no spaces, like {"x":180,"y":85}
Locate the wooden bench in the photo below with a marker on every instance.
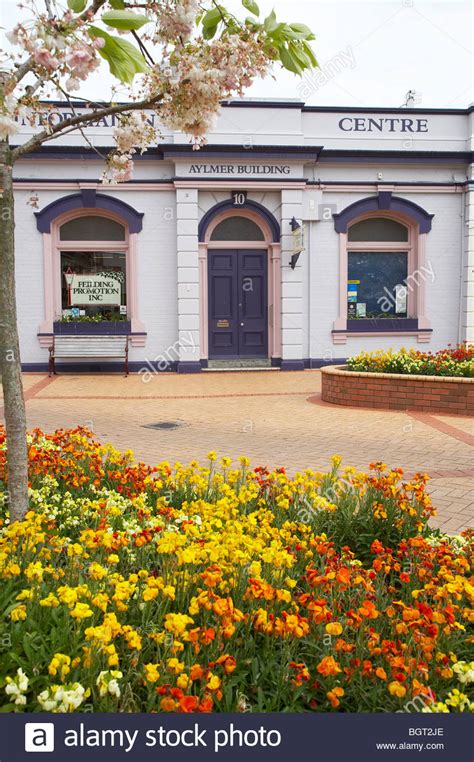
{"x":77,"y":347}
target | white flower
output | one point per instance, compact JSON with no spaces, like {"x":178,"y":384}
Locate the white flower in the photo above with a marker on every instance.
{"x":47,"y":703}
{"x":107,"y":682}
{"x":114,"y":689}
{"x":17,"y":686}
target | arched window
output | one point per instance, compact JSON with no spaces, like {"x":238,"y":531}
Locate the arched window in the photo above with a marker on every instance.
{"x":237,"y":228}
{"x":379,"y":262}
{"x":383,"y":275}
{"x":93,"y":267}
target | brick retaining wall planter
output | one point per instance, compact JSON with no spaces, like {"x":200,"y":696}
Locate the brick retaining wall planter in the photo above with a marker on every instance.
{"x":430,"y":394}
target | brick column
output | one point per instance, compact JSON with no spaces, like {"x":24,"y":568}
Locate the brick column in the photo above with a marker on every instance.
{"x":292,"y":285}
{"x":467,"y":305}
{"x":188,"y":281}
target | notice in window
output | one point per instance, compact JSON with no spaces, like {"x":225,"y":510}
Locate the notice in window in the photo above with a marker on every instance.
{"x":95,"y":289}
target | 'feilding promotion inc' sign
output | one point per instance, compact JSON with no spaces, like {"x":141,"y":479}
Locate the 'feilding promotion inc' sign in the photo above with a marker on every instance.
{"x":94,"y":289}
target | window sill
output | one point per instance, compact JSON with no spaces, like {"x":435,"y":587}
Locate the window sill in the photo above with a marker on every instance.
{"x":83,"y":328}
{"x":111,"y":328}
{"x":377,"y":325}
{"x":423,"y":334}
{"x":383,"y":327}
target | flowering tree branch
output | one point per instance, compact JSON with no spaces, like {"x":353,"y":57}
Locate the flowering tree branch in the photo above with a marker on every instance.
{"x":76,"y":121}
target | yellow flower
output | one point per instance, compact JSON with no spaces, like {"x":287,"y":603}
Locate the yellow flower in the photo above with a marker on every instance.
{"x":177,"y":623}
{"x":334,"y":628}
{"x":59,"y":663}
{"x":50,"y":601}
{"x":74,"y":550}
{"x":67,"y":595}
{"x":151,"y":673}
{"x":182,"y":682}
{"x":101,"y":600}
{"x":212,"y":456}
{"x":81,"y":611}
{"x":175,"y":666}
{"x":96,"y":571}
{"x":213,"y":682}
{"x":25,"y":595}
{"x":18,"y":614}
{"x":397,"y":689}
{"x":132,"y":637}
{"x":112,"y":656}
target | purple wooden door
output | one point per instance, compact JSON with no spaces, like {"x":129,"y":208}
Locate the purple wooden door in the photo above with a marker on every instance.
{"x":238,"y":303}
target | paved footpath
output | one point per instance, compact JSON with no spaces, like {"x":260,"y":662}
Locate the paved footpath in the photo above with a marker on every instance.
{"x":276,"y":419}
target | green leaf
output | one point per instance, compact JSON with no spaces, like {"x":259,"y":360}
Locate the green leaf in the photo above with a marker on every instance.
{"x":251,"y":21}
{"x":123,"y":58}
{"x":303,"y":31}
{"x":251,"y":6}
{"x":270,"y":23}
{"x":211,"y":18}
{"x":124,"y":20}
{"x":117,"y":5}
{"x":279,"y":32}
{"x":76,"y":6}
{"x":300,"y":55}
{"x":209,"y":32}
{"x":288,"y":61}
{"x":309,"y":52}
{"x":210,"y":22}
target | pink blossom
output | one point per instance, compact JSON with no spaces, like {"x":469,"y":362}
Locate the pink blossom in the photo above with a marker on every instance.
{"x":44,"y":58}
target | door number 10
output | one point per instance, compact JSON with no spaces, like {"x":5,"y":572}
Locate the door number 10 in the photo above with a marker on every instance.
{"x":239,"y":198}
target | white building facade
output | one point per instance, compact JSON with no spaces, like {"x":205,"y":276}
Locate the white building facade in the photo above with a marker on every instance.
{"x":296,"y":237}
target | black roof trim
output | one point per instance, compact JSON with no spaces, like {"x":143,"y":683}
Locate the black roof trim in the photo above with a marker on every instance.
{"x":305,"y":152}
{"x":263,"y":104}
{"x":386,"y":110}
{"x":414,"y":183}
{"x":336,"y":155}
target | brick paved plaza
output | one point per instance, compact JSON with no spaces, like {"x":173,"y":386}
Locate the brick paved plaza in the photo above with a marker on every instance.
{"x":275,"y":418}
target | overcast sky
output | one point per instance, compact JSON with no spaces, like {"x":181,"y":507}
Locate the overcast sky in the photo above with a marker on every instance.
{"x":371,"y":52}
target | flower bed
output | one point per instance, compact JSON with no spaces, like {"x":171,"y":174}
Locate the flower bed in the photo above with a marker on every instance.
{"x":457,"y":361}
{"x":397,"y":391}
{"x":131,"y":588}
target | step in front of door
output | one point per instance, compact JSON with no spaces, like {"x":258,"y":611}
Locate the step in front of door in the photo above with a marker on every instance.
{"x":216,"y":365}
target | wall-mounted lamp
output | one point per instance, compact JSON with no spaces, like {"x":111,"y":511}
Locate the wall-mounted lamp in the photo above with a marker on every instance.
{"x":298,"y":241}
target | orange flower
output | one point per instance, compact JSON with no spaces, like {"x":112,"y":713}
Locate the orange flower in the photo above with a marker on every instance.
{"x":208,"y":636}
{"x":380,"y":672}
{"x":206,"y":704}
{"x":168,"y":704}
{"x":328,"y":666}
{"x":212,"y":576}
{"x":189,"y":703}
{"x":344,"y":575}
{"x":228,"y":662}
{"x":196,"y":672}
{"x":368,"y":610}
{"x":334,"y":696}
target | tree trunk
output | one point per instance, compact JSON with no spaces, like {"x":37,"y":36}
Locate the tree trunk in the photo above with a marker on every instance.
{"x":10,"y":364}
